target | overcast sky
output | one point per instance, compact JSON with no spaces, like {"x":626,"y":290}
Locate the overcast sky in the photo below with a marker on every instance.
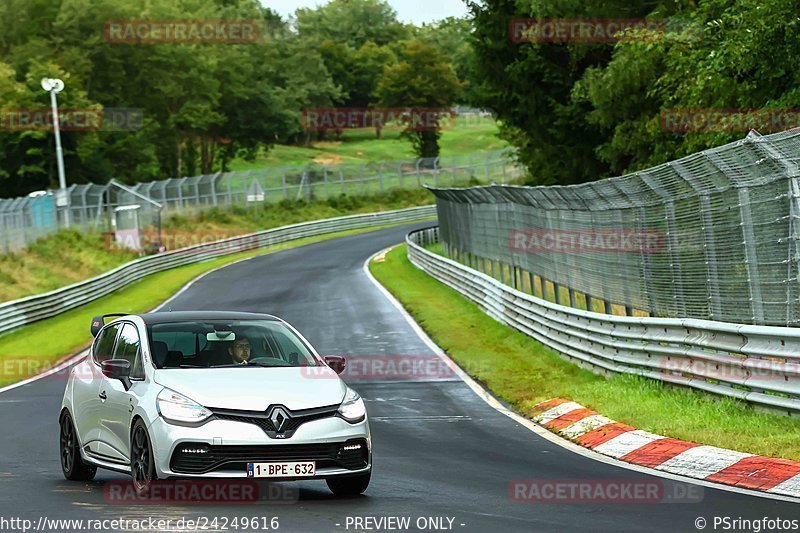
{"x":416,"y":11}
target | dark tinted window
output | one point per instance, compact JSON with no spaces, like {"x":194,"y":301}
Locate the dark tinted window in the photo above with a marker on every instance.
{"x":128,"y":348}
{"x":104,"y":344}
{"x":209,"y":343}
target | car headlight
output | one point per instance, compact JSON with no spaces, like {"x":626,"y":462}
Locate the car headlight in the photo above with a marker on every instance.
{"x":352,"y":408}
{"x":178,"y":408}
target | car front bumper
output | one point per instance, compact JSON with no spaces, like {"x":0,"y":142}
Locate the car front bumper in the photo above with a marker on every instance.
{"x":221,"y":448}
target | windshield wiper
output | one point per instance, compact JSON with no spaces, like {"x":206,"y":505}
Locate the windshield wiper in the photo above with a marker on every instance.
{"x":249,"y":363}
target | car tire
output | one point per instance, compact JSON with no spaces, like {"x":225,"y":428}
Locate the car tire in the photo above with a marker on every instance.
{"x":72,"y":464}
{"x":143,"y":468}
{"x":350,"y":485}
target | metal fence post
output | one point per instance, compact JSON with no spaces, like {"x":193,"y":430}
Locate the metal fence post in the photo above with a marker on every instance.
{"x":751,"y":258}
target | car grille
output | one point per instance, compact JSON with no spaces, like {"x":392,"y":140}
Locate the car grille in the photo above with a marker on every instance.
{"x":262,"y":419}
{"x":201,"y":458}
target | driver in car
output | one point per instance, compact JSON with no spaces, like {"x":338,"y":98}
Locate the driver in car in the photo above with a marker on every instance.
{"x":240,"y":351}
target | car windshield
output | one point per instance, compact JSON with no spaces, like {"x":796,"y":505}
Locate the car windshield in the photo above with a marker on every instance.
{"x":227,"y":343}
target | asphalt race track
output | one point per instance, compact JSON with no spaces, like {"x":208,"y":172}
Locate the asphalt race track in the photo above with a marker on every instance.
{"x":440,"y":451}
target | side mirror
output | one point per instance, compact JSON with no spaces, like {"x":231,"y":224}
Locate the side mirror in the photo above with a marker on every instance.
{"x":97,"y":325}
{"x":117,"y":369}
{"x":336,"y":362}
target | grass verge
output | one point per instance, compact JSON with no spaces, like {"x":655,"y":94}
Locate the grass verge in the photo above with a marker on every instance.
{"x":360,"y":146}
{"x":522,"y":372}
{"x":28,"y":350}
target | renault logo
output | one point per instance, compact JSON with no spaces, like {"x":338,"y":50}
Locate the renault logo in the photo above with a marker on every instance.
{"x":279,"y":417}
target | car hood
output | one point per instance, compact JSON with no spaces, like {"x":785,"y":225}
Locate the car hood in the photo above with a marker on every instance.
{"x":255,"y":389}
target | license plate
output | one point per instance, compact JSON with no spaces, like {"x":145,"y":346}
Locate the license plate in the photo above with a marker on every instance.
{"x":302,"y":469}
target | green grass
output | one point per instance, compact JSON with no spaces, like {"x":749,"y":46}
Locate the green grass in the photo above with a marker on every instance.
{"x":70,"y":255}
{"x":33,"y":348}
{"x":522,"y":372}
{"x":361,"y":146}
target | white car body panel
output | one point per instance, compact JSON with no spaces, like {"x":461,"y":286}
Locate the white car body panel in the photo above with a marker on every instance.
{"x":104,"y":426}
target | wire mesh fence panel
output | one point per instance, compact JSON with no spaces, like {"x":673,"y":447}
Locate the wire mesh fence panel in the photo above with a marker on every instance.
{"x":713,"y":235}
{"x":90,"y":207}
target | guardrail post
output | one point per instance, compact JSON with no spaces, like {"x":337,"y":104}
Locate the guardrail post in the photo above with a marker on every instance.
{"x":589,"y":306}
{"x":607,"y":307}
{"x":571,"y":297}
{"x":214,"y":187}
{"x":794,"y":255}
{"x":647,"y":267}
{"x":710,"y":252}
{"x":556,"y":293}
{"x":400,"y":175}
{"x":674,"y":259}
{"x":751,"y":258}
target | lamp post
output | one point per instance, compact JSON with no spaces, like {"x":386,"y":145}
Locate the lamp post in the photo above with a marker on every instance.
{"x":55,"y":86}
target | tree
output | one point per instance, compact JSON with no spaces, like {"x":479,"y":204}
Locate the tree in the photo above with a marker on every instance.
{"x":421,"y":79}
{"x":743,"y":55}
{"x":530,"y":85}
{"x":351,"y":22}
{"x":452,"y":37}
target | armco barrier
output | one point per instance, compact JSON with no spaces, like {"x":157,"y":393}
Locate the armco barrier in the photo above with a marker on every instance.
{"x":757,"y":364}
{"x":32,"y":308}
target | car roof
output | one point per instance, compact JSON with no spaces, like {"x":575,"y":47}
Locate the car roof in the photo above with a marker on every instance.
{"x":163,"y":317}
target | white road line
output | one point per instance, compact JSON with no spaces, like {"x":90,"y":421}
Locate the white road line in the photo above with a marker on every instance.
{"x":702,"y":461}
{"x":487,"y":397}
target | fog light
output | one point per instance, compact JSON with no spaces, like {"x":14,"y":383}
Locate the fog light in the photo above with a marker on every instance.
{"x":195,"y":450}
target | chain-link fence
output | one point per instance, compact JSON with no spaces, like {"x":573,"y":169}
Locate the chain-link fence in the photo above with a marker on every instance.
{"x":92,"y":206}
{"x":712,"y":235}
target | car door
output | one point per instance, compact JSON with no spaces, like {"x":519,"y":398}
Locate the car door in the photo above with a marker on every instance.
{"x":117,"y":402}
{"x":88,"y":406}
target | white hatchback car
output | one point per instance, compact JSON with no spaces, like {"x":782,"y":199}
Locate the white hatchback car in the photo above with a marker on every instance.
{"x":212,"y":394}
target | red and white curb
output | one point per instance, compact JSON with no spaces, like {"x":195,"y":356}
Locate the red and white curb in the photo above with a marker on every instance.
{"x":626,"y":443}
